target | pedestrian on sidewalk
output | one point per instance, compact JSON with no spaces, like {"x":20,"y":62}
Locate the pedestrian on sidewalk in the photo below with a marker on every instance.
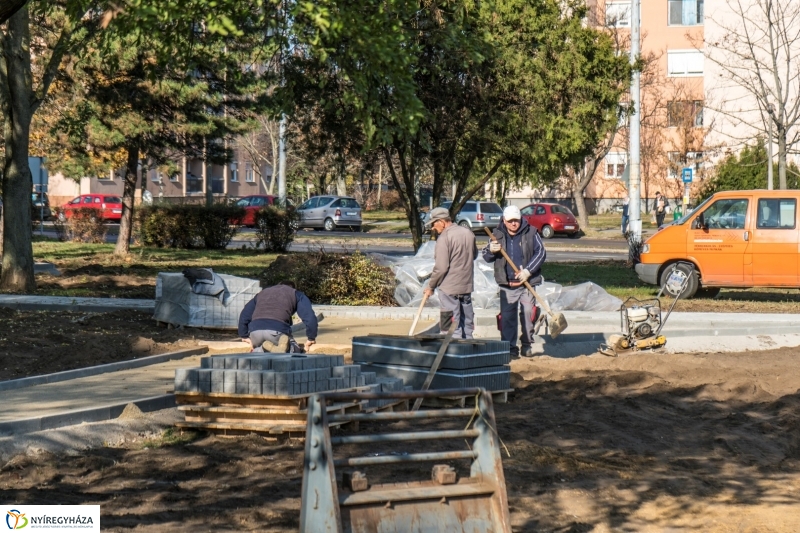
{"x":661,"y":209}
{"x":524,"y":247}
{"x":265,"y":323}
{"x":625,"y":203}
{"x":453,"y":273}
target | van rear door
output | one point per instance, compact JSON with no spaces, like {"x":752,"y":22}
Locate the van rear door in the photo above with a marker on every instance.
{"x":774,"y":242}
{"x":719,"y":246}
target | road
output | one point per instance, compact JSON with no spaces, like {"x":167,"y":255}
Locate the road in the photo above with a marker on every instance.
{"x":558,"y":249}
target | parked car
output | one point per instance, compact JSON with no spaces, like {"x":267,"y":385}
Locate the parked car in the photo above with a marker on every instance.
{"x":109,"y":208}
{"x":251,"y":205}
{"x":330,"y":213}
{"x":40,"y":206}
{"x":474,"y":215}
{"x":551,"y":219}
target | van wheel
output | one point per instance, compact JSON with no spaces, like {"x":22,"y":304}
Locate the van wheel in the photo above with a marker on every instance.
{"x":464,"y":224}
{"x":707,"y":292}
{"x":548,"y":232}
{"x":691,"y":286}
{"x":62,"y":217}
{"x":329,"y":225}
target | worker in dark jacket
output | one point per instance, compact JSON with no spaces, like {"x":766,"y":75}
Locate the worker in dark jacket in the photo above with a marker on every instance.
{"x":266,"y":321}
{"x":524,"y":247}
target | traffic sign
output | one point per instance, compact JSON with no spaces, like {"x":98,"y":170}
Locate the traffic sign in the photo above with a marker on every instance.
{"x":687,"y":175}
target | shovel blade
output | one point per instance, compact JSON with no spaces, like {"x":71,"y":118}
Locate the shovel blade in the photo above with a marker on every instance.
{"x":557,"y":324}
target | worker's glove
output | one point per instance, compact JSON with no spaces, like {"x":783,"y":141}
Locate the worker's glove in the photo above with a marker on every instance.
{"x":494,"y":247}
{"x":523,"y":275}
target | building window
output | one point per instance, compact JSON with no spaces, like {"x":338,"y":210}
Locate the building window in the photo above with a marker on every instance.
{"x":174,"y":177}
{"x":678,"y":161}
{"x":249,"y":176}
{"x":618,"y":14}
{"x":615,"y":164}
{"x":685,"y":113}
{"x":234,"y":171}
{"x":685,"y":12}
{"x":684,"y":63}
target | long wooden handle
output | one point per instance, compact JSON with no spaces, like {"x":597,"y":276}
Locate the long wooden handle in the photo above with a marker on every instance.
{"x":419,"y":313}
{"x":527,"y":285}
{"x":436,"y":362}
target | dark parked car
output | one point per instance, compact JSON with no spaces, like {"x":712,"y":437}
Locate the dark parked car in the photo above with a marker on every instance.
{"x":550,"y":219}
{"x":330,"y":213}
{"x":251,"y":205}
{"x":40,"y":206}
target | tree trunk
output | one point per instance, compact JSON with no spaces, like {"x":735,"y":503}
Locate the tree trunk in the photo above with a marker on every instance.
{"x":129,"y":188}
{"x":781,"y":157}
{"x":407,"y":196}
{"x":9,"y":7}
{"x":17,"y":272}
{"x":380,"y":186}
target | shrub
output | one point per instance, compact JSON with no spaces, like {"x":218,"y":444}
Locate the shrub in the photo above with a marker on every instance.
{"x":276,"y":227}
{"x":187,"y":226}
{"x":83,"y":226}
{"x":338,"y":279}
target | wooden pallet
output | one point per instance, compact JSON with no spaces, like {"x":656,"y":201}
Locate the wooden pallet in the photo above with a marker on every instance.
{"x":241,"y":414}
{"x":398,"y":405}
{"x":498,"y":396}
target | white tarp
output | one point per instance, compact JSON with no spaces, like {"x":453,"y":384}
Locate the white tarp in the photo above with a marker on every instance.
{"x":412,"y":273}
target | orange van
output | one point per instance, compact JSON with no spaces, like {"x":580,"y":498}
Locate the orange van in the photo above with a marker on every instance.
{"x":734,"y":238}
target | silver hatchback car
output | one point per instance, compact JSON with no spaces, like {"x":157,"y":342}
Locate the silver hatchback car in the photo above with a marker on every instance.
{"x":330,"y":213}
{"x":475,"y":215}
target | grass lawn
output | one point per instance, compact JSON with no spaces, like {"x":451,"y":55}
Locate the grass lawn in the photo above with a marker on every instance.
{"x":92,"y":270}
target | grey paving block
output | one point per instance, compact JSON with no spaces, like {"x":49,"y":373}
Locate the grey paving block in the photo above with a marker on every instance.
{"x":254,"y":382}
{"x":229,"y":387}
{"x":284,"y":364}
{"x":308,"y":363}
{"x":206,"y":362}
{"x":243,"y":363}
{"x":410,"y":351}
{"x":217,"y":362}
{"x":322,"y":373}
{"x":231,"y":362}
{"x":218,"y":386}
{"x":369,"y":377}
{"x":491,"y":378}
{"x":360,"y":382}
{"x":283,"y":388}
{"x":186,"y":380}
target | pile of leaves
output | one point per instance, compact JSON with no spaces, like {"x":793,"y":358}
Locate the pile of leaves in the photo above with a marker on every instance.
{"x":338,"y":279}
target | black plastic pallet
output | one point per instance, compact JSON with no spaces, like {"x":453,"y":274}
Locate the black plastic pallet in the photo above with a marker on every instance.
{"x":415,"y":351}
{"x":491,"y":378}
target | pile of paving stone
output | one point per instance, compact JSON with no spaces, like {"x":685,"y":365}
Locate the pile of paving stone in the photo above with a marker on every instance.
{"x":280,"y":375}
{"x":466,"y":363}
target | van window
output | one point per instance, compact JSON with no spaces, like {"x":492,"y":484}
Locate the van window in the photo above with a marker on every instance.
{"x":490,"y":207}
{"x":726,"y":214}
{"x":469,"y":207}
{"x":776,"y":213}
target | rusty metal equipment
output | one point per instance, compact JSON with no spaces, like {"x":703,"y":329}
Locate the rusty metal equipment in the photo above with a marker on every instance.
{"x":346,"y":502}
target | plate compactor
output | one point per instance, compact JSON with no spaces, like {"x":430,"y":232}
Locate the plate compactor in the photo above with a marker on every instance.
{"x":641,"y":321}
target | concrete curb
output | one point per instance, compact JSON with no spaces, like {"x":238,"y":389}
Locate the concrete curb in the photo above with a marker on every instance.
{"x":99,"y":369}
{"x":95,"y":414}
{"x":24,"y":302}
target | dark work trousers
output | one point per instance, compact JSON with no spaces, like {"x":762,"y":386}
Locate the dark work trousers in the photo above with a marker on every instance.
{"x":258,"y":337}
{"x":516,"y":303}
{"x":463,"y":313}
{"x":660,"y":218}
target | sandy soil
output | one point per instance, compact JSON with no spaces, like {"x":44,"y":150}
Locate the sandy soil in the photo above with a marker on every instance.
{"x":647,"y":442}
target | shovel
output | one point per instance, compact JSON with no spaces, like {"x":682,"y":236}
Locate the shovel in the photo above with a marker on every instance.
{"x":419,"y":313}
{"x":558,"y":322}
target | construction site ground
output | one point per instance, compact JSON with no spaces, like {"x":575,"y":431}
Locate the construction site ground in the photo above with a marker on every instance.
{"x":643,"y":442}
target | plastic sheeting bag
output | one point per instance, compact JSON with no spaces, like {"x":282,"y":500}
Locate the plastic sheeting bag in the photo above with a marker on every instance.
{"x":412,"y":272}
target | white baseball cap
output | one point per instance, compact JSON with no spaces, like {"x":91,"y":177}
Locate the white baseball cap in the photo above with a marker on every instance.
{"x":512,"y":213}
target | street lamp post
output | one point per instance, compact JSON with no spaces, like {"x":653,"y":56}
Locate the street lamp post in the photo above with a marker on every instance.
{"x":634,"y":208}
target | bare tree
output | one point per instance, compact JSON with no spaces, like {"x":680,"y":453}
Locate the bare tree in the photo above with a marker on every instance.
{"x":261,"y":145}
{"x":756,"y":46}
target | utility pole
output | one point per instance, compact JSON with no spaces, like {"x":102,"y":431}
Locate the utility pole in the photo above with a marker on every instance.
{"x":282,"y":163}
{"x":634,"y":190}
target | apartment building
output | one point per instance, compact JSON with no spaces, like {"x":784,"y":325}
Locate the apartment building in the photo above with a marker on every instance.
{"x":241,"y":177}
{"x":673,"y":132}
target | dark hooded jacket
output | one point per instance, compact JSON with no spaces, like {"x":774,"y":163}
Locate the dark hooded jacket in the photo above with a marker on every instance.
{"x":533,"y":253}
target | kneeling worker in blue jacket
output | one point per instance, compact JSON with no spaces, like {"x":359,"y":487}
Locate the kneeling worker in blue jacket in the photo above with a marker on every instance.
{"x":266,"y":321}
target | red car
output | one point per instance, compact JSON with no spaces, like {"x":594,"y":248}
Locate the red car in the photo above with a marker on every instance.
{"x":251,"y":206}
{"x":108,"y":207}
{"x":549,"y":219}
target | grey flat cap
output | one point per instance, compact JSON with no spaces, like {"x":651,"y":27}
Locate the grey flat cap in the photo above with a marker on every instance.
{"x":439,"y":213}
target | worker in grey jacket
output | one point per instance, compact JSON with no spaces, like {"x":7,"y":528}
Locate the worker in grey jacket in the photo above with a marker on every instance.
{"x":524,"y":247}
{"x":453,"y":273}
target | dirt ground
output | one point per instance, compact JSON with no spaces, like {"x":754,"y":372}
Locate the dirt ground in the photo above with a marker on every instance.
{"x":646,"y":442}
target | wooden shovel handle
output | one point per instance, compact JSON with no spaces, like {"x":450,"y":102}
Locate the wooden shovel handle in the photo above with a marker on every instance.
{"x":419,"y":313}
{"x":527,"y":285}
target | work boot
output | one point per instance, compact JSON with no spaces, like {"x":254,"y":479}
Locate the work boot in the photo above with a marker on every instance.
{"x":281,"y":347}
{"x":527,"y":351}
{"x":514,"y":352}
